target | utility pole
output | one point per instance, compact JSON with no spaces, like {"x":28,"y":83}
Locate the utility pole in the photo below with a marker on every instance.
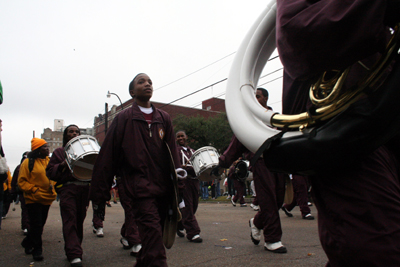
{"x":106,"y":121}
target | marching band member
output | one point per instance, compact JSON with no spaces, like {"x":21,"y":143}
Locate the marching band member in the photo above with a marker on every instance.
{"x":239,"y":186}
{"x":358,"y":205}
{"x":190,"y":191}
{"x":73,"y":198}
{"x":39,"y":193}
{"x":270,"y":190}
{"x":135,"y":150}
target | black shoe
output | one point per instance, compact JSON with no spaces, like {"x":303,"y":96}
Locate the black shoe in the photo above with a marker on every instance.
{"x":115,"y":202}
{"x":125,"y":243}
{"x":38,"y":257}
{"x":180,"y":233}
{"x":254,"y":231}
{"x":28,"y":250}
{"x":308,"y":217}
{"x":108,"y":205}
{"x":196,"y":239}
{"x":77,"y":262}
{"x":233,"y":202}
{"x":280,"y":248}
{"x":135,"y":250}
{"x":288,"y":213}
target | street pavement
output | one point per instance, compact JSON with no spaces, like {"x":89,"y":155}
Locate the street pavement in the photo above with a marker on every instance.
{"x":224,"y":229}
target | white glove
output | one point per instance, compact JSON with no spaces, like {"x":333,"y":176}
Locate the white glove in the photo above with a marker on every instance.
{"x":181,"y":173}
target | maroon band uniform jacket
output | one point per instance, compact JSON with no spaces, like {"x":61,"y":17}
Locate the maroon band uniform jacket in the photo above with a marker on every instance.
{"x":136,"y":152}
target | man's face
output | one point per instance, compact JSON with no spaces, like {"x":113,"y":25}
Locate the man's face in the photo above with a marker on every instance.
{"x":143,"y":87}
{"x":181,"y":138}
{"x":72,"y":132}
{"x":261,"y":99}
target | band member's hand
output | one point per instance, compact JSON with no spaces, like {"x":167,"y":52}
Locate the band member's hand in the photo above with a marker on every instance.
{"x":63,"y":166}
{"x":99,"y":210}
{"x":215,"y":171}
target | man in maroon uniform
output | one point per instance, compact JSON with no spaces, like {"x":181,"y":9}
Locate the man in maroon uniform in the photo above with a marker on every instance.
{"x":270,"y":190}
{"x":239,"y":186}
{"x":135,"y":149}
{"x":359,"y":204}
{"x":190,"y":190}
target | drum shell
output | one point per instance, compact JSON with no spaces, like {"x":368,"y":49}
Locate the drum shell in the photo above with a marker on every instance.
{"x":81,"y":153}
{"x":203,"y":161}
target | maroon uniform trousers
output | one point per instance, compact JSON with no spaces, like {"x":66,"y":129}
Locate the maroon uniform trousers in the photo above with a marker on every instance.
{"x":97,"y":222}
{"x":150,"y":214}
{"x":255,"y":201}
{"x":191,"y":198}
{"x":300,"y":195}
{"x":359,"y":213}
{"x":270,"y":193}
{"x":129,"y":229}
{"x":73,"y":204}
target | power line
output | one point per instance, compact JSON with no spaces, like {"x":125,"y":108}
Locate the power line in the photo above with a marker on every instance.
{"x":194,"y":92}
{"x":194,"y":72}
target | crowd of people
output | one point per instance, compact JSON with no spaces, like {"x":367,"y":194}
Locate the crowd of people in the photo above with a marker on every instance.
{"x":40,"y":179}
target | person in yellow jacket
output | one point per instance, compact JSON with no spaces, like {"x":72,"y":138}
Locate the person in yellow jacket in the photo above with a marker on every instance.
{"x":39,"y":193}
{"x":7,"y":199}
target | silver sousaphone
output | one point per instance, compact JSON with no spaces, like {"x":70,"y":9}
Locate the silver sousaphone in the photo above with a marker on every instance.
{"x":253,"y":124}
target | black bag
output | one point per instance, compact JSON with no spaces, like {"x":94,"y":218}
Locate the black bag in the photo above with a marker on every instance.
{"x":344,"y":140}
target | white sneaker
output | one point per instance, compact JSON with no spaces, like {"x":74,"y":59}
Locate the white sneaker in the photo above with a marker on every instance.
{"x":99,"y":232}
{"x":25,"y":231}
{"x":125,"y":243}
{"x":255,"y":233}
{"x":76,"y":262}
{"x":276,"y":247}
{"x":256,"y":208}
{"x":135,"y":249}
{"x":196,"y":239}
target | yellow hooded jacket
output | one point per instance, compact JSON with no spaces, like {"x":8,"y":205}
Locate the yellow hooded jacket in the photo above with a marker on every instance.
{"x":7,"y":184}
{"x":36,"y":186}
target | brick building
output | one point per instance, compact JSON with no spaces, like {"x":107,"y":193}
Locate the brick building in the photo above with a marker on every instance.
{"x":210,"y":107}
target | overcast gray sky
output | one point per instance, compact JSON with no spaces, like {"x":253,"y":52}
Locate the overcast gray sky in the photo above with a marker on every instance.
{"x":58,"y":59}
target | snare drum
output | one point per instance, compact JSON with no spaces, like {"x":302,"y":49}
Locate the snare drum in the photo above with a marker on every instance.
{"x":203,"y":161}
{"x":81,"y":153}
